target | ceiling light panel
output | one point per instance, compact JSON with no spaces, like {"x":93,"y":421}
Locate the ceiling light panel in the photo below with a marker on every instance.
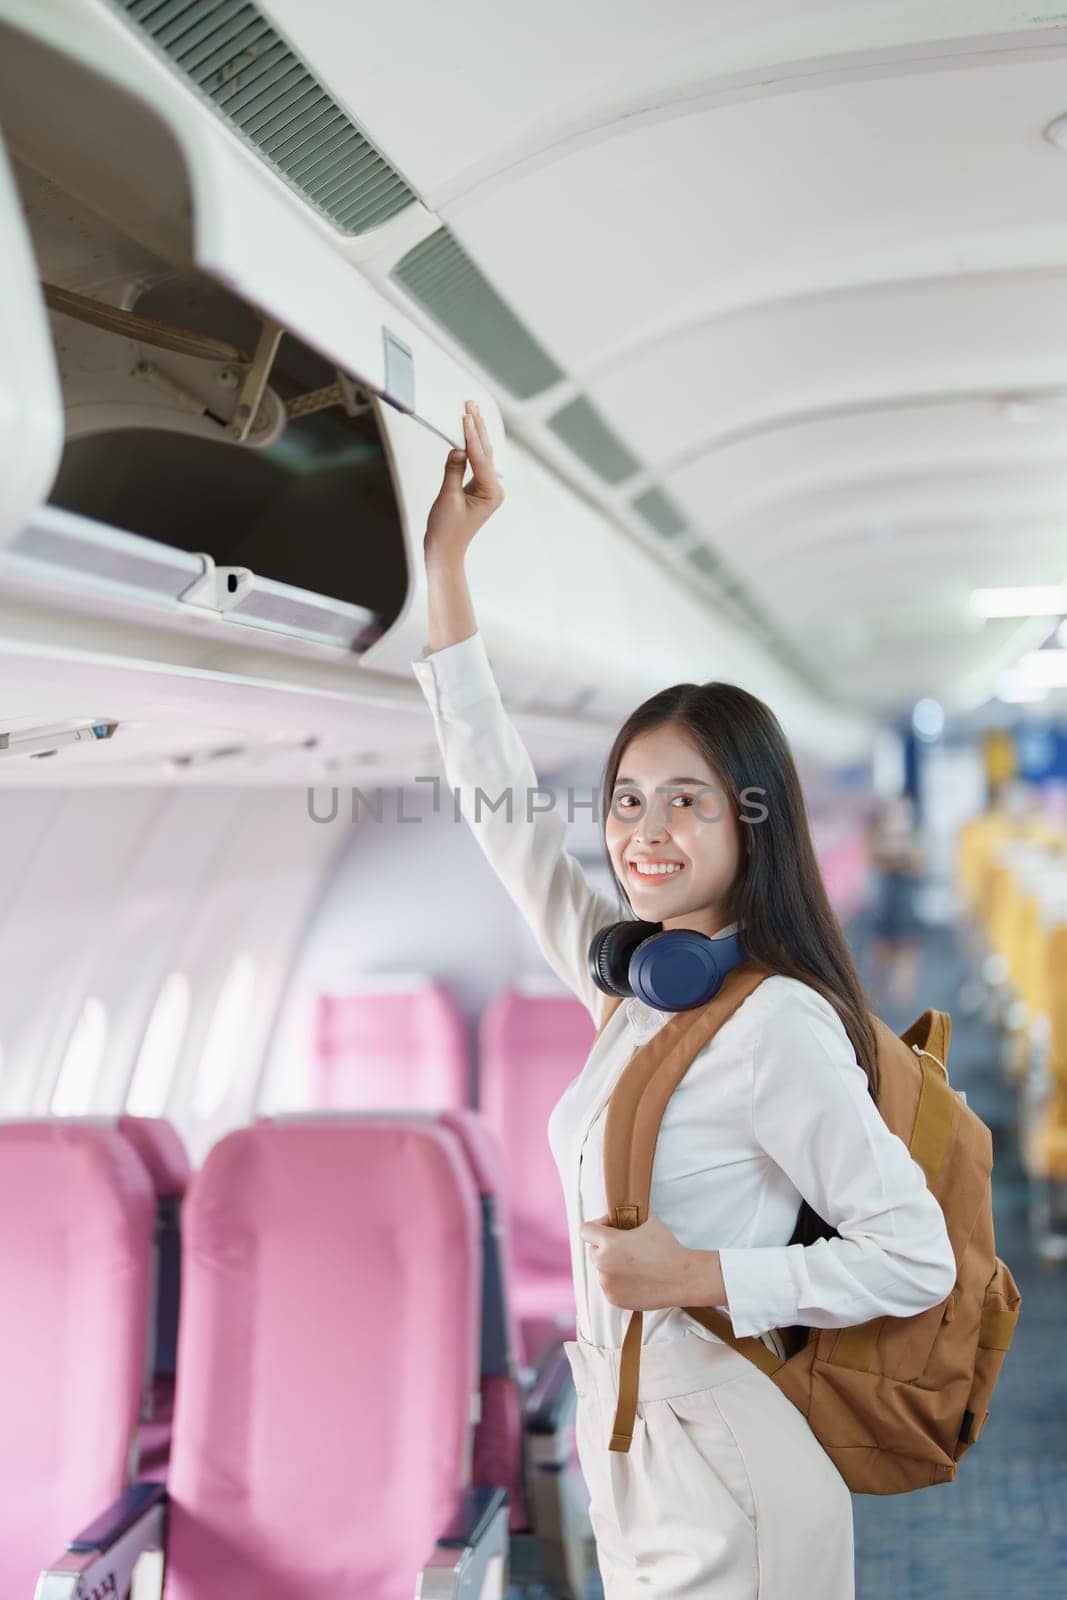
{"x":584,"y":431}
{"x":660,"y":512}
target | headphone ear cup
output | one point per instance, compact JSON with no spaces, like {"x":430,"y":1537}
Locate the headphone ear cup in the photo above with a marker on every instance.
{"x":681,"y":968}
{"x":610,"y":952}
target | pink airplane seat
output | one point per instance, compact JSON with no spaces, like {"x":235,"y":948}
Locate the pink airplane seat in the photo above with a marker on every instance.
{"x":530,"y":1048}
{"x":163,"y":1154}
{"x":161,"y":1149}
{"x":328,"y":1369}
{"x":76,"y":1219}
{"x":525,"y":1440}
{"x":498,"y":1440}
{"x":386,"y":1049}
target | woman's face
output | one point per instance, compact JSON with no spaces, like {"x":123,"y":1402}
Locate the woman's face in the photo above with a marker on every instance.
{"x":669,"y":806}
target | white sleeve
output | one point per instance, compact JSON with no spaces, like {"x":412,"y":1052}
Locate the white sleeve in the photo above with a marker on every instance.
{"x":814,"y":1116}
{"x":486,"y":761}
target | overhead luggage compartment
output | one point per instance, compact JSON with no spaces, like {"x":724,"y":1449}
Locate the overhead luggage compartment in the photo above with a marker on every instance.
{"x":223,"y":368}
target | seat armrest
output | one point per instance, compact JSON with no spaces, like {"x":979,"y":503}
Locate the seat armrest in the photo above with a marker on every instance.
{"x":472,"y":1552}
{"x":551,"y":1393}
{"x":557,"y":1496}
{"x":101,"y":1558}
{"x":118,"y":1518}
{"x":473,"y":1517}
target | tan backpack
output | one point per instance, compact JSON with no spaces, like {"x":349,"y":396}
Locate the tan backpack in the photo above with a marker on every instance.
{"x":895,"y":1402}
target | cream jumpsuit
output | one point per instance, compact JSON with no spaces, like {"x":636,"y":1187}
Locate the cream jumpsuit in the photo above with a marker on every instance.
{"x":725,"y":1491}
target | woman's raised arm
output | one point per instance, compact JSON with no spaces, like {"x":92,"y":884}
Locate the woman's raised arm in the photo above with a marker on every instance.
{"x":486,"y":763}
{"x":455,"y":517}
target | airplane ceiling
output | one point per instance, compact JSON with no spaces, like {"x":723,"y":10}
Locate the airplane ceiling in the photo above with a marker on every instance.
{"x":805,"y":260}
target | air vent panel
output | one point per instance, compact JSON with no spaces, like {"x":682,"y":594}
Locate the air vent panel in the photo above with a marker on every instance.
{"x":660,"y":512}
{"x":233,"y":56}
{"x":705,"y":561}
{"x":441,"y":276}
{"x":584,"y":431}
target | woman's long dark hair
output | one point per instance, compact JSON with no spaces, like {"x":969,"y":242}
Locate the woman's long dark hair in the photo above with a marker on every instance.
{"x":777,"y":894}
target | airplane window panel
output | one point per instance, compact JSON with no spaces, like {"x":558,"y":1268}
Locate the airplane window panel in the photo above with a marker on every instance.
{"x":158,"y":1055}
{"x":82,"y":1060}
{"x":221,"y":1060}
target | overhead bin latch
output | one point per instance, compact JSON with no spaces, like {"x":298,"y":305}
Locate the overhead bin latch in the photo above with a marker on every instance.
{"x":217,"y":588}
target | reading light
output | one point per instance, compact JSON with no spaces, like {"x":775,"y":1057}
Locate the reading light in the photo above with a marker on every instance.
{"x":1044,"y":667}
{"x":1015,"y":693}
{"x":1048,"y":600}
{"x":1056,"y":131}
{"x":1015,"y":687}
{"x":1033,"y":408}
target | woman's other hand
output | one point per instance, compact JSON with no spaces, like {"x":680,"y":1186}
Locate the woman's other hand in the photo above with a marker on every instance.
{"x":460,"y":509}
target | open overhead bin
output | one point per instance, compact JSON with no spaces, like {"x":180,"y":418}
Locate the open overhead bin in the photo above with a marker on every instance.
{"x":223,"y":368}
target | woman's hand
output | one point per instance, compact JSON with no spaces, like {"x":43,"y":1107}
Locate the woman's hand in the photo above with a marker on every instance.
{"x":647,"y":1269}
{"x":459,"y":510}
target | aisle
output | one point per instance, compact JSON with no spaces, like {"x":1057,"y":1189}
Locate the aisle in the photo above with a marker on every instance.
{"x":1000,"y":1531}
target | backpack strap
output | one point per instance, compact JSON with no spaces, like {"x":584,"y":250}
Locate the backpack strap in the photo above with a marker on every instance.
{"x":936,"y":1116}
{"x":631,"y":1128}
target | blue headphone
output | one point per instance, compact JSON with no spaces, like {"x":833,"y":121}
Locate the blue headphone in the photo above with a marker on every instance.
{"x":673,"y":970}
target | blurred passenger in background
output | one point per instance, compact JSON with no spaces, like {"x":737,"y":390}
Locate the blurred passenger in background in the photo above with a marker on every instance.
{"x":897,"y":861}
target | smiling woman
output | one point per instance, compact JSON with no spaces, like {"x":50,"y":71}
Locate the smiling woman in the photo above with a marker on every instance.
{"x":729,"y":1199}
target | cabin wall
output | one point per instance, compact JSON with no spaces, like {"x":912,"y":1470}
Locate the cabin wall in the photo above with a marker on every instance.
{"x":410,"y":897}
{"x":114,"y":899}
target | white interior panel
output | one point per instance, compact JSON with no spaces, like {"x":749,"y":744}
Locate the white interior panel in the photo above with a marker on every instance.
{"x":31,"y":407}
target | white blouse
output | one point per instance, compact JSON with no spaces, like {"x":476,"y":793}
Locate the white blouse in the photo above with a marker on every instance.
{"x":775,"y":1107}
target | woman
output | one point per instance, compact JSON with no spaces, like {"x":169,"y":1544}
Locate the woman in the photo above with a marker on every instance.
{"x":725,"y":1492}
